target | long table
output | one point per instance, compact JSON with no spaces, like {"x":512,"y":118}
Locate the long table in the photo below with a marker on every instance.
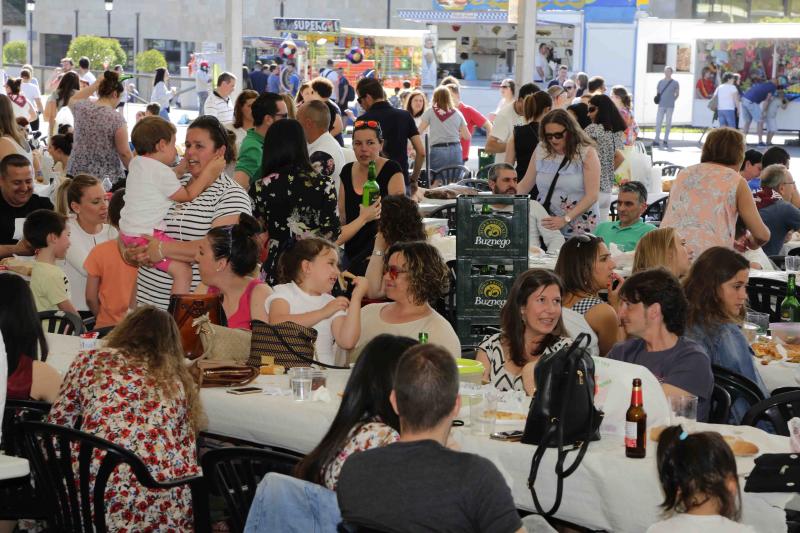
{"x":608,"y":491}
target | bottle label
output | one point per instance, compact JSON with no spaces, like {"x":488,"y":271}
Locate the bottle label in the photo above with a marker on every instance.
{"x":631,"y":434}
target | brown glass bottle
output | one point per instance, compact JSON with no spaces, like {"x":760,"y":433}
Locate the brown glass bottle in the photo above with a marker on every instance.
{"x":636,"y":424}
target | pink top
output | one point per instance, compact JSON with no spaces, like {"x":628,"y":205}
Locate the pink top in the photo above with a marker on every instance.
{"x":241,"y":318}
{"x":702,"y":206}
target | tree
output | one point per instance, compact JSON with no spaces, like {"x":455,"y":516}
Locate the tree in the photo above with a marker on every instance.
{"x":100,"y":51}
{"x":15,"y":52}
{"x":149,"y":60}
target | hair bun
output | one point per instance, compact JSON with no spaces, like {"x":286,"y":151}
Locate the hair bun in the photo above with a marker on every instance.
{"x":247,"y":227}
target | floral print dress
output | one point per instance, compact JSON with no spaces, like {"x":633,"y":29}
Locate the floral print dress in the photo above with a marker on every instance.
{"x":95,"y":151}
{"x":365,"y":436}
{"x":292,"y":204}
{"x":608,"y":142}
{"x":119,"y":402}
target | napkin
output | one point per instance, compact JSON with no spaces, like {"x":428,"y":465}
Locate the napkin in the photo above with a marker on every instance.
{"x":321,"y":395}
{"x":794,"y":434}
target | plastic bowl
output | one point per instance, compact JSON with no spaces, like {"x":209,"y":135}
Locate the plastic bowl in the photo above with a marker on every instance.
{"x":470,"y":371}
{"x":788,"y":332}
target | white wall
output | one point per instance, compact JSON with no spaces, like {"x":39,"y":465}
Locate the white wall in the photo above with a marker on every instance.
{"x":610,"y":52}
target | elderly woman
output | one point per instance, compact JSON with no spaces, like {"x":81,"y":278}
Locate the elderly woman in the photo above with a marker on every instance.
{"x":414,"y":275}
{"x":227,"y":258}
{"x":137,"y":393}
{"x":707,"y":198}
{"x":531,"y":326}
{"x":101,"y":134}
{"x":774,"y":202}
{"x":219,"y":205}
{"x":85,"y":201}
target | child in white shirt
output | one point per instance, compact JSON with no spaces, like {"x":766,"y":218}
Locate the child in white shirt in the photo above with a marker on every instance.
{"x":151,"y":188}
{"x":308,"y":271}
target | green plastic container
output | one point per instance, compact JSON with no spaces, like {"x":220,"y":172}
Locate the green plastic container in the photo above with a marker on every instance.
{"x":501,"y":233}
{"x":470,"y":371}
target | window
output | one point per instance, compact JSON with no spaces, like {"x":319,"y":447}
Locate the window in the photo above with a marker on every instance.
{"x":722,"y":10}
{"x":765,"y":8}
{"x":677,"y":56}
{"x":13,"y":13}
{"x":54,"y":46}
{"x":172,"y":52}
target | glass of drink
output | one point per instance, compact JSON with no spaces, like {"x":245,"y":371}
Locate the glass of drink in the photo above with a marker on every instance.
{"x":483,"y":412}
{"x":792,"y":263}
{"x":683,"y":407}
{"x":760,"y":320}
{"x":301,"y":379}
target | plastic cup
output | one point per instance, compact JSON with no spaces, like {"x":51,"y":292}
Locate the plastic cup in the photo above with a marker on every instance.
{"x":301,"y":380}
{"x":683,"y":408}
{"x":760,"y":320}
{"x":792,"y":263}
{"x":483,"y":413}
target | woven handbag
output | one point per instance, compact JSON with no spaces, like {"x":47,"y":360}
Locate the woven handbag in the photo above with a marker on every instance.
{"x":290,"y":344}
{"x":221,"y":343}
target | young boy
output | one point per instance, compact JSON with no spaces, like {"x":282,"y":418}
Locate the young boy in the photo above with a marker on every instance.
{"x":151,"y":188}
{"x":48,"y":234}
{"x":112,"y":281}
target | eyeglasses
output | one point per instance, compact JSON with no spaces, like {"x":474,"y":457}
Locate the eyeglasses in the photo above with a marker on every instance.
{"x":366,"y":124}
{"x":394,"y":272}
{"x":592,"y":109}
{"x":557,"y":135}
{"x":788,"y":183}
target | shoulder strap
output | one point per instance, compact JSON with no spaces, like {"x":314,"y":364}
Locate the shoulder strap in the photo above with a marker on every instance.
{"x":665,"y":88}
{"x":546,"y":203}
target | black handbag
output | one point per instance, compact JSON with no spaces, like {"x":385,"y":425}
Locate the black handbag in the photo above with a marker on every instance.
{"x":562,"y":412}
{"x":657,"y":97}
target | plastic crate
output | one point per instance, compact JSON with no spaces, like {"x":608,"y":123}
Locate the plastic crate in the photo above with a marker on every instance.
{"x":471,"y":330}
{"x":502,"y":233}
{"x":481,"y":293}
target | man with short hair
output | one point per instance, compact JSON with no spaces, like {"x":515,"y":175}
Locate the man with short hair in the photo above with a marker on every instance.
{"x":218,"y":104}
{"x":596,"y":85}
{"x":629,"y":228}
{"x":502,"y":178}
{"x":266,"y":109}
{"x":468,"y":68}
{"x":542,"y":64}
{"x":202,"y":82}
{"x":17,"y":201}
{"x":751,"y":169}
{"x":653,"y":314}
{"x":259,"y":78}
{"x":473,"y":117}
{"x":274,"y":79}
{"x":331,"y":75}
{"x":397,"y":125}
{"x":292,"y":79}
{"x":774,"y":203}
{"x":84,"y":73}
{"x":508,"y":117}
{"x":32,"y":93}
{"x":346,"y":90}
{"x":324,"y":152}
{"x":440,"y":489}
{"x":668,"y":91}
{"x":322,"y":90}
{"x":563,"y":75}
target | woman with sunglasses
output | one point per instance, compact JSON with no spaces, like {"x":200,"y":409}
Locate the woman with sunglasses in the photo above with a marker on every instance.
{"x":585,"y":268}
{"x":607,"y":130}
{"x":448,"y":127}
{"x":571,"y":87}
{"x":566,"y":171}
{"x":359,"y":225}
{"x":524,"y":138}
{"x":414,"y":276}
{"x":508,"y":93}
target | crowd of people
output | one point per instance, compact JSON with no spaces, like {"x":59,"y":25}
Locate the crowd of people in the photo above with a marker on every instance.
{"x":264,"y":208}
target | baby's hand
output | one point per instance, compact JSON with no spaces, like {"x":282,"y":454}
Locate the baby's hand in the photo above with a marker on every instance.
{"x":182,"y":167}
{"x":361,"y":285}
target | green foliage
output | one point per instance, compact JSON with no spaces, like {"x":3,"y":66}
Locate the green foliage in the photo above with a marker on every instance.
{"x":149,"y":60}
{"x":793,"y":20}
{"x":101,"y":51}
{"x":15,"y":52}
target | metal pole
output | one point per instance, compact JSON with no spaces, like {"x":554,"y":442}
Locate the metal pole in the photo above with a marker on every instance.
{"x":281,"y":9}
{"x":108,"y":18}
{"x":76,"y":22}
{"x":136,"y":51}
{"x":30,"y":37}
{"x":388,"y":14}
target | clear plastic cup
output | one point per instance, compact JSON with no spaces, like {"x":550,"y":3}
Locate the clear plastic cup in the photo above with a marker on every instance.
{"x":483,"y":412}
{"x":301,"y":380}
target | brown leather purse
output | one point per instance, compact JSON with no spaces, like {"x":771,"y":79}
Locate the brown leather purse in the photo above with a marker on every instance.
{"x":222,"y":373}
{"x":185,"y":308}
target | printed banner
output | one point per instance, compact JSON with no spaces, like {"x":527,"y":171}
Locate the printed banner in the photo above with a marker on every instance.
{"x":470,"y":5}
{"x":307,"y":25}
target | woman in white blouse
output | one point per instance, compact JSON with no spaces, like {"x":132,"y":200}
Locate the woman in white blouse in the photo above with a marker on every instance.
{"x":162,"y":92}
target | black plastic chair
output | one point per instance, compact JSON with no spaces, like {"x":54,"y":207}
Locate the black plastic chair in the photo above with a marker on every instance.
{"x":663,"y":164}
{"x":234,"y":474}
{"x":77,"y":504}
{"x":671,"y":170}
{"x":448,"y":175}
{"x":794,"y":251}
{"x":612,"y":211}
{"x":475,"y":183}
{"x":778,"y":260}
{"x":62,"y":323}
{"x":720,"y":409}
{"x":655,"y":211}
{"x":446,"y":305}
{"x":776,"y":410}
{"x":765,"y":296}
{"x":737,"y":385}
{"x":447,"y":211}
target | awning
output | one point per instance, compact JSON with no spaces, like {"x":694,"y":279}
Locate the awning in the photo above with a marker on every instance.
{"x":453,"y":17}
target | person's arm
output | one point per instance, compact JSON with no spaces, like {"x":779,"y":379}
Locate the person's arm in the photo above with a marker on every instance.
{"x":279,"y":311}
{"x":482,"y":357}
{"x":84,"y":93}
{"x":553,"y":239}
{"x":604,"y":322}
{"x":511,"y":151}
{"x":67,"y":307}
{"x":365,"y":215}
{"x":38,"y":102}
{"x":619,"y":158}
{"x":591,"y":185}
{"x":195,"y":188}
{"x":258,"y":300}
{"x":45,"y":382}
{"x":759,"y":232}
{"x":419,"y":157}
{"x":374,"y":272}
{"x":487,"y":126}
{"x":122,"y":145}
{"x":50,"y":114}
{"x":93,"y":294}
{"x":397,"y":184}
{"x":527,"y":182}
{"x":347,"y":329}
{"x":338,"y":126}
{"x":423,"y":126}
{"x":540,"y":72}
{"x":464,"y":132}
{"x":495,"y":145}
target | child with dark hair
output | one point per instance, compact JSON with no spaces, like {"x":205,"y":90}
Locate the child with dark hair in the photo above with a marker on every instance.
{"x":48,"y":234}
{"x":111,"y":282}
{"x":700,"y":483}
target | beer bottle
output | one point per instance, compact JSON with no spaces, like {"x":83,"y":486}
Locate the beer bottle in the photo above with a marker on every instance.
{"x":790,"y":307}
{"x":636,"y":424}
{"x":372,"y":190}
{"x":485,"y":270}
{"x":486,"y":209}
{"x":423,"y":337}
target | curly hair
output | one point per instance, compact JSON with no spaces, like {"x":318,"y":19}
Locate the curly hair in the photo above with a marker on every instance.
{"x":428,"y":276}
{"x":575,"y":138}
{"x":400,"y":220}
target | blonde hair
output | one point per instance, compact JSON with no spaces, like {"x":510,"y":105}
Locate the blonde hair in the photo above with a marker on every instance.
{"x":8,"y":124}
{"x":71,"y":190}
{"x":149,"y":338}
{"x":656,"y":248}
{"x":291,"y":108}
{"x":442,"y":98}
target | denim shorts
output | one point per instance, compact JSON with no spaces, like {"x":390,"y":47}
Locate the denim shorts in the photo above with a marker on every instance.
{"x":750,"y":111}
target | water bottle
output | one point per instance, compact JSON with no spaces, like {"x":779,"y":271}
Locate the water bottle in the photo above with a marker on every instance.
{"x":107,"y":185}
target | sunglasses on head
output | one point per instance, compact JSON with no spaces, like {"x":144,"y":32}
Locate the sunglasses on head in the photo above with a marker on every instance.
{"x":557,"y":135}
{"x":373,"y":124}
{"x":585,"y":238}
{"x":394,"y":272}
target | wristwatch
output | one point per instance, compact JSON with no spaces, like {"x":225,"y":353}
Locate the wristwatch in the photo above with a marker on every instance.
{"x":379,"y":253}
{"x":567,"y":219}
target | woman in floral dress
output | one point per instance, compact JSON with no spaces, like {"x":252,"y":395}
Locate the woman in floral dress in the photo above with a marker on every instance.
{"x":137,"y":393}
{"x":291,"y":199}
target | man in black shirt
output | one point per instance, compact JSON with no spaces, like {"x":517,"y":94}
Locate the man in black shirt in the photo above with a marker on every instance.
{"x":417,"y":484}
{"x":397,"y":125}
{"x":16,"y":202}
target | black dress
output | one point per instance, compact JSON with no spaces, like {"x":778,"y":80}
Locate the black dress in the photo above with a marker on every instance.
{"x":358,"y":249}
{"x":526,"y":137}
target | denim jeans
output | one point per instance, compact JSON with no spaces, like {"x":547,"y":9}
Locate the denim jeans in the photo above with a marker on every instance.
{"x":202,"y":96}
{"x":445,"y":156}
{"x":663,"y":113}
{"x":727,"y":117}
{"x":286,"y":504}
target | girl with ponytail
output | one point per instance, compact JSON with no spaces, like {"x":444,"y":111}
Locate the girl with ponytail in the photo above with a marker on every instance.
{"x":525,"y":137}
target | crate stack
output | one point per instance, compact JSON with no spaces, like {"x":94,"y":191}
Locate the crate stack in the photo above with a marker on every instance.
{"x":491,"y":251}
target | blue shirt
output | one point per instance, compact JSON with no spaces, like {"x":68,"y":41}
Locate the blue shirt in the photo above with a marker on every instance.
{"x":758,"y":92}
{"x":274,"y":83}
{"x":259,"y":80}
{"x":468,"y":70}
{"x":780,"y":217}
{"x":754,"y":184}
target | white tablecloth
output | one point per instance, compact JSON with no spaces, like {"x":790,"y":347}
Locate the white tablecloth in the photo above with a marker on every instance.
{"x":608,"y":491}
{"x":13,"y":467}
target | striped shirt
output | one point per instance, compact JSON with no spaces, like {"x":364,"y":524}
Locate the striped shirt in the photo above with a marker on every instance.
{"x":188,"y":222}
{"x":219,"y":107}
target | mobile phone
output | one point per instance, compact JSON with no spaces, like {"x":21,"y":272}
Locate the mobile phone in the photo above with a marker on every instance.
{"x":509,"y":436}
{"x":245,"y":390}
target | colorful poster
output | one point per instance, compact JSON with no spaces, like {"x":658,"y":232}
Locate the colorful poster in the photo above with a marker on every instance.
{"x":470,"y":5}
{"x":577,"y":5}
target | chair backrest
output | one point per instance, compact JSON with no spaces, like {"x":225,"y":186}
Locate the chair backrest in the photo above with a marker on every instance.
{"x":655,"y":211}
{"x":477,"y":184}
{"x":765,"y":296}
{"x":612,"y":211}
{"x":663,"y":164}
{"x":75,"y":495}
{"x":16,"y":411}
{"x":449,"y":212}
{"x":671,"y":170}
{"x":777,"y":410}
{"x":737,"y":385}
{"x":446,"y":305}
{"x":61,"y":323}
{"x":234,"y":474}
{"x":794,"y":251}
{"x":448,"y":175}
{"x":720,"y":410}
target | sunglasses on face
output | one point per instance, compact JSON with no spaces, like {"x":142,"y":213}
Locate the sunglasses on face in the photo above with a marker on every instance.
{"x":569,"y":87}
{"x":557,"y":135}
{"x":394,"y":272}
{"x":504,"y":87}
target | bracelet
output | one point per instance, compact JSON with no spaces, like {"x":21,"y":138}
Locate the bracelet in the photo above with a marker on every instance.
{"x":161,"y":251}
{"x":378,"y":253}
